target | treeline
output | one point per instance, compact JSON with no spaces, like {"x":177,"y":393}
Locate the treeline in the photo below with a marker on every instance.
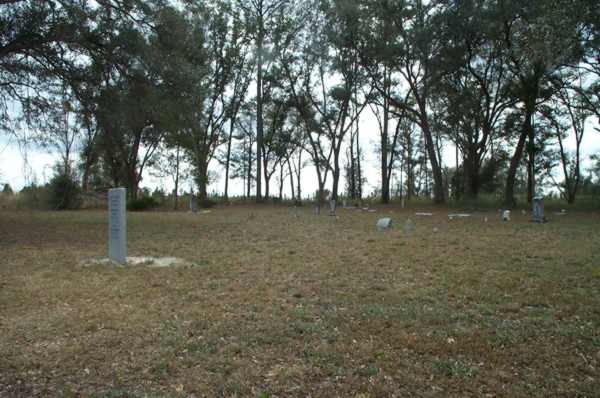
{"x":264,"y":88}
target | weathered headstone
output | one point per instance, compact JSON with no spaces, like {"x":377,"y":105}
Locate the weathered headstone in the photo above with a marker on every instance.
{"x":408,"y":227}
{"x":506,"y":215}
{"x":384,"y":223}
{"x":117,"y":225}
{"x":538,"y":209}
{"x":193,"y":204}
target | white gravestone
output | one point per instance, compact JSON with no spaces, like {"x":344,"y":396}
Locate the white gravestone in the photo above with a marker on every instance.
{"x":538,"y":209}
{"x":384,"y":223}
{"x":332,"y":207}
{"x":117,"y":225}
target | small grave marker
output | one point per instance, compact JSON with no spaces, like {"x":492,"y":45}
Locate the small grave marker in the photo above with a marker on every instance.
{"x":408,"y":227}
{"x":384,"y":223}
{"x":332,"y":207}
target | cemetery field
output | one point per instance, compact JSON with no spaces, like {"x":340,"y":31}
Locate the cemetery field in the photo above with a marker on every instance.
{"x":278,"y":305}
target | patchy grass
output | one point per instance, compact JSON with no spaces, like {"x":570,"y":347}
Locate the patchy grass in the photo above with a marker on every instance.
{"x":301,"y":306}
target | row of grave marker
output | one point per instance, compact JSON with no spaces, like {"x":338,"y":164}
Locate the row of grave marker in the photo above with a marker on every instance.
{"x":117,"y":221}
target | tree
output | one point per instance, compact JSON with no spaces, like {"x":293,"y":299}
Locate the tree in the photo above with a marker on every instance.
{"x":409,"y":47}
{"x":568,"y":112}
{"x":7,"y":189}
{"x":474,"y":93}
{"x":541,"y":37}
{"x":259,"y":16}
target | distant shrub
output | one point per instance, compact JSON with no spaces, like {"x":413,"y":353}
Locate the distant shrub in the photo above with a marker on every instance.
{"x":64,"y":193}
{"x":7,"y":190}
{"x":207,"y":203}
{"x":33,"y":197}
{"x":142,"y":203}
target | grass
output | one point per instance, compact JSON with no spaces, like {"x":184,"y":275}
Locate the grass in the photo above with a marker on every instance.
{"x":301,"y":306}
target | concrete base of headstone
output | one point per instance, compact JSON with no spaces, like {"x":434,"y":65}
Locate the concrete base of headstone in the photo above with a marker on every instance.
{"x":458,"y":215}
{"x":151,"y":262}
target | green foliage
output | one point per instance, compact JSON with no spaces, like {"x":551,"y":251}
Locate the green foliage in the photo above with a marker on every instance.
{"x":64,"y":193}
{"x":7,"y":190}
{"x":33,"y":197}
{"x":143,"y":203}
{"x":207,"y":203}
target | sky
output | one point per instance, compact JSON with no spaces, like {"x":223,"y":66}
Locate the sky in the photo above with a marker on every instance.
{"x":40,"y":160}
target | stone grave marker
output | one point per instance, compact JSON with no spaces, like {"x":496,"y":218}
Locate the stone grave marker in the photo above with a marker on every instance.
{"x":193,"y":204}
{"x":384,"y":223}
{"x":538,"y":209}
{"x":117,"y":225}
{"x":332,"y":207}
{"x":408,"y":227}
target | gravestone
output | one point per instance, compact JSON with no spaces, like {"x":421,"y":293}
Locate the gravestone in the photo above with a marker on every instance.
{"x":408,"y":227}
{"x":384,"y":223}
{"x":332,"y":207}
{"x":117,"y":225}
{"x":193,"y":204}
{"x":506,"y":215}
{"x":538,"y":209}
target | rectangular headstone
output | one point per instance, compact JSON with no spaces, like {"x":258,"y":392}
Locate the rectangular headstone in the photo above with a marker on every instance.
{"x":538,"y":209}
{"x":332,"y":207}
{"x":193,"y":204}
{"x":117,"y":225}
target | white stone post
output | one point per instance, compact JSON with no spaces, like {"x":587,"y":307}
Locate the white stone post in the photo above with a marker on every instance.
{"x":117,"y":225}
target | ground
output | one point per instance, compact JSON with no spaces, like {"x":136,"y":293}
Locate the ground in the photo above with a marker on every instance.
{"x":279,"y":305}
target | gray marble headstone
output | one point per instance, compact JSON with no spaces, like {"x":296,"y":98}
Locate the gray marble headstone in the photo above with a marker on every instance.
{"x":117,"y":225}
{"x":384,"y":223}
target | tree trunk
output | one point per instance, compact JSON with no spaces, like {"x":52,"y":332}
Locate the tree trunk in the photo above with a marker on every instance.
{"x":176,"y":190}
{"x":358,"y":166}
{"x":281,"y":182}
{"x":438,"y":180}
{"x":298,"y":190}
{"x":202,"y":180}
{"x":336,"y":174}
{"x":228,"y":158}
{"x":259,"y":109}
{"x":291,"y":178}
{"x":471,"y":174}
{"x":385,"y":187}
{"x":509,"y":193}
{"x":249,"y":175}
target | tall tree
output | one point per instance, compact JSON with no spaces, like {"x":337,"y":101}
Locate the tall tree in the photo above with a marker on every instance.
{"x":259,"y":15}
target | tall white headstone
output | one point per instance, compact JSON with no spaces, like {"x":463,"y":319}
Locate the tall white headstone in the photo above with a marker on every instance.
{"x":117,"y":225}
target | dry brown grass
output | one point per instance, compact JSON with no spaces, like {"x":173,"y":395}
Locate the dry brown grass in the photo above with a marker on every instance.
{"x":311,"y":306}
